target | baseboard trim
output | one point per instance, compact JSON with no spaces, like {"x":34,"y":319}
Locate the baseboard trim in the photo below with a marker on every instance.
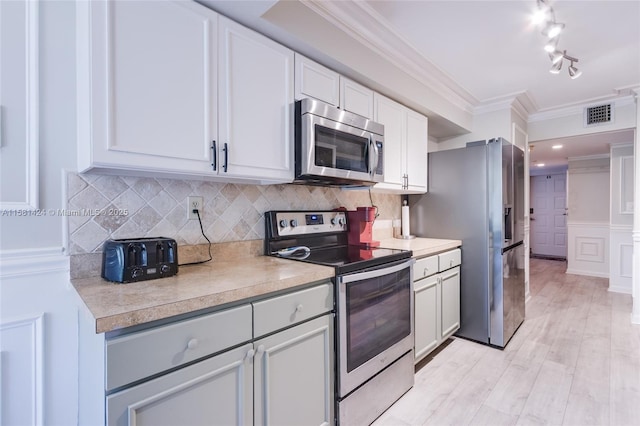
{"x":619,"y":289}
{"x":587,"y":273}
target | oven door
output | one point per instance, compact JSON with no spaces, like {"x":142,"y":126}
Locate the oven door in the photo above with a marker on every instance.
{"x":337,"y":150}
{"x":375,"y":326}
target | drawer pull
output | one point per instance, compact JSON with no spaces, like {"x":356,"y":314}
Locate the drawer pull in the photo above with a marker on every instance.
{"x":299,"y":308}
{"x":192,"y":344}
{"x":260,"y":350}
{"x":250,"y":353}
{"x":426,"y":271}
{"x":451,"y":262}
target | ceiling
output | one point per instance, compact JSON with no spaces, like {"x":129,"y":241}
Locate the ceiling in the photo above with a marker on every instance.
{"x":487,"y":51}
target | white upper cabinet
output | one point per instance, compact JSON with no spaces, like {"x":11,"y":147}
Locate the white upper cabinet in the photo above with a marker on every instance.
{"x":147,"y":86}
{"x":392,"y":115}
{"x":170,"y":87}
{"x":313,"y":80}
{"x":256,"y":105}
{"x":405,"y":150}
{"x":356,"y":98}
{"x":417,"y":147}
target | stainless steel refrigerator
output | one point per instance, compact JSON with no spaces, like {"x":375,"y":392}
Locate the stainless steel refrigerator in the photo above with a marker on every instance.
{"x":476,"y":194}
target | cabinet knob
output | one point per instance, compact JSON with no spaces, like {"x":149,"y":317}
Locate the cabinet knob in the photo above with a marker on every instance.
{"x":299,"y":308}
{"x":250,"y":353}
{"x":426,"y":271}
{"x":192,"y":344}
{"x":451,"y":262}
{"x":260,"y":350}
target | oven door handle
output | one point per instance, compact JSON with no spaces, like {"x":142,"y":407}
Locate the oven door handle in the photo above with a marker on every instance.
{"x":345,"y":279}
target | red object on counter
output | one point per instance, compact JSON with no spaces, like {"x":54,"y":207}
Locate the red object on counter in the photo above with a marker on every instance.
{"x":361,"y":226}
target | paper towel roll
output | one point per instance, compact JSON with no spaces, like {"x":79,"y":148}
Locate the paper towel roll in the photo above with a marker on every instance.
{"x":405,"y":221}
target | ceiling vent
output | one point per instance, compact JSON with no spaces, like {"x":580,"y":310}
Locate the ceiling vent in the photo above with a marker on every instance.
{"x":598,"y":114}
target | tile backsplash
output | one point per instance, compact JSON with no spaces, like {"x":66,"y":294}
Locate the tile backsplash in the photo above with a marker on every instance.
{"x":101,"y":207}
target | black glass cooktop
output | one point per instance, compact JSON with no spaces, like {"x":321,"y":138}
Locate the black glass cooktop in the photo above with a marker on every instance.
{"x":352,"y":258}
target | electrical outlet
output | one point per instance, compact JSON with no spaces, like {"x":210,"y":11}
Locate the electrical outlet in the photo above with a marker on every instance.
{"x":194,"y":203}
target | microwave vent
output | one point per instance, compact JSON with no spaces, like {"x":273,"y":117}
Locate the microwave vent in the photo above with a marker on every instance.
{"x":598,"y":114}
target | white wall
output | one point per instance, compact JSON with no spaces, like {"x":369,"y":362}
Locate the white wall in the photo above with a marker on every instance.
{"x":588,"y":217}
{"x":486,"y":125}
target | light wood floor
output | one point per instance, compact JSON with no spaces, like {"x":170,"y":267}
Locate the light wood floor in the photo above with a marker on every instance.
{"x":574,"y":361}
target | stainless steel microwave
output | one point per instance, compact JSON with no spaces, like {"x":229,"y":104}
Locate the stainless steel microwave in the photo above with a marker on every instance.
{"x":336,"y":147}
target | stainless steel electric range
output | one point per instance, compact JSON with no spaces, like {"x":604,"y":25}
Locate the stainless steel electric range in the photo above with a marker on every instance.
{"x":374,"y":308}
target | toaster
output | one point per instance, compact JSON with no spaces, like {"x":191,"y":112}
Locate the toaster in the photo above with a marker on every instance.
{"x":139,"y":259}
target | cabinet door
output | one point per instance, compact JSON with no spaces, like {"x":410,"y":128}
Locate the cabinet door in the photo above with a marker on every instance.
{"x":313,"y":80}
{"x":216,"y":391}
{"x":147,"y":85}
{"x":256,"y":105}
{"x":356,"y":98}
{"x":417,"y":145}
{"x":450,"y":301}
{"x":392,"y":115}
{"x":427,"y":320}
{"x":294,"y":375}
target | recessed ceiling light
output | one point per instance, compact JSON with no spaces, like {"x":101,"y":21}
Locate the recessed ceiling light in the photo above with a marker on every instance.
{"x":540,"y":164}
{"x":556,"y":146}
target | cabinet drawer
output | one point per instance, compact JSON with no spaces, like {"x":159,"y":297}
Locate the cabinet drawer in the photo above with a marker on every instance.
{"x":425,"y":267}
{"x":449,"y":259}
{"x":143,"y":354}
{"x":280,"y":312}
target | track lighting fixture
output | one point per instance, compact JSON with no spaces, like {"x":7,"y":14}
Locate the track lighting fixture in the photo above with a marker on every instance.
{"x":546,"y":17}
{"x":556,"y":61}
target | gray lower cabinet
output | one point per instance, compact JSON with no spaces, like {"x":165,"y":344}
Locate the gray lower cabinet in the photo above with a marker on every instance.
{"x":276,"y":368}
{"x":293,"y":382}
{"x":216,"y":391}
{"x":436,"y":300}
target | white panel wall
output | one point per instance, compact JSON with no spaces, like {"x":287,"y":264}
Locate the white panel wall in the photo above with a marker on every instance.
{"x":56,"y":128}
{"x":588,"y":217}
{"x":588,"y":249}
{"x":621,"y":250}
{"x":38,"y":339}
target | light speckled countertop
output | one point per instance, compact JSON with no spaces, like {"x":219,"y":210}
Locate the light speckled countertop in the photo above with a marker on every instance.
{"x":421,"y":247}
{"x":197,"y":287}
{"x":237,"y":273}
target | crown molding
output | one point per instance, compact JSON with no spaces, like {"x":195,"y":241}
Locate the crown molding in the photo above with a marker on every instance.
{"x":367,"y":26}
{"x":520,"y":103}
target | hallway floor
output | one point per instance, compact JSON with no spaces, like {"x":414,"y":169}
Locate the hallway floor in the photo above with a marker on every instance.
{"x":574,"y":361}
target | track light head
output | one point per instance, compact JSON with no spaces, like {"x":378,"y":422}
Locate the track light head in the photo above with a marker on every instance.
{"x":556,"y":56}
{"x":551,"y":46}
{"x":553,"y":29}
{"x":556,"y":67}
{"x":574,"y":72}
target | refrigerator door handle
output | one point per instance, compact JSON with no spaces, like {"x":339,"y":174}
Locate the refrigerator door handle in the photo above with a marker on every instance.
{"x":512,"y":246}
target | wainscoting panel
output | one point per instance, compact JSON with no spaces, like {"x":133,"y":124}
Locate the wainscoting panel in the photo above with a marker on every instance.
{"x":621,"y":269}
{"x":21,"y":372}
{"x":38,"y":339}
{"x":588,"y":249}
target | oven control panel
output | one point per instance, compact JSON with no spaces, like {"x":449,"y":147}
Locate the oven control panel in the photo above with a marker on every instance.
{"x":305,"y":223}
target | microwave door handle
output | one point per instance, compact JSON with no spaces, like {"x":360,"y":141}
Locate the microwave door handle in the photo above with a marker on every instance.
{"x":376,"y":155}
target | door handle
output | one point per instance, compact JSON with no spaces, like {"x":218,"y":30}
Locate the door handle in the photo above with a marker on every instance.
{"x":225,"y":148}
{"x":215,"y":155}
